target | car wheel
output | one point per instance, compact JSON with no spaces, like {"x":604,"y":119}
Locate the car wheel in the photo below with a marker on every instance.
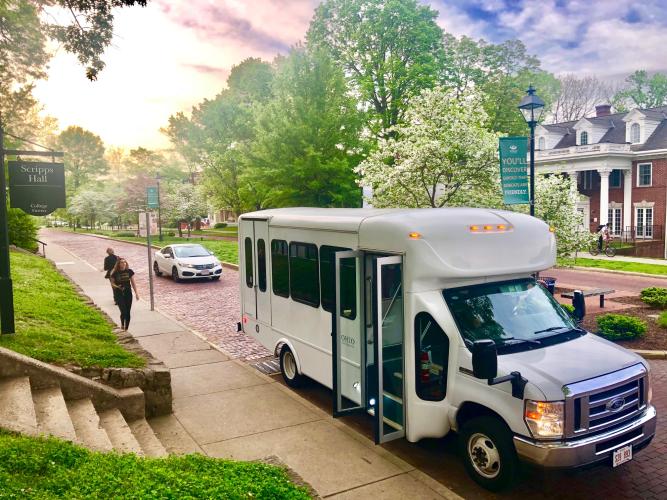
{"x":488,"y":453}
{"x":174,"y":275}
{"x":156,"y":269}
{"x":288,"y":368}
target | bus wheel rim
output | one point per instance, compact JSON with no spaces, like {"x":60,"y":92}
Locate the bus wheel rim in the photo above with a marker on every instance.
{"x":484,"y":455}
{"x":289,"y":365}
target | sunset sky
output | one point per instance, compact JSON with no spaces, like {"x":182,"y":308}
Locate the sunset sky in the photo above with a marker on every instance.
{"x":170,"y":55}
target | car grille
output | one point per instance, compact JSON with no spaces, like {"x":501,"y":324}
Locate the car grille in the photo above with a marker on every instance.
{"x":204,"y":266}
{"x":606,"y":402}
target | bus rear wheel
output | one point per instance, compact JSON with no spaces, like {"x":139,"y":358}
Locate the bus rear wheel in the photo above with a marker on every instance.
{"x":288,"y":368}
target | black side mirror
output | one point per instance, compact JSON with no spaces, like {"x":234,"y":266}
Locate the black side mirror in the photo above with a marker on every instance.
{"x":579,"y":305}
{"x":484,"y":359}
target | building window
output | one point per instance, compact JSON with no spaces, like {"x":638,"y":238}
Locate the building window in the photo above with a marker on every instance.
{"x":248,"y":262}
{"x":644,"y":174}
{"x":583,"y":138}
{"x":279,"y":268}
{"x":634,"y":133}
{"x":542,"y":143}
{"x":431,"y":355}
{"x":644,"y":222}
{"x":615,"y":179}
{"x":261,"y":265}
{"x":587,"y":180}
{"x":614,"y":221}
{"x":348,"y":281}
{"x":304,"y":273}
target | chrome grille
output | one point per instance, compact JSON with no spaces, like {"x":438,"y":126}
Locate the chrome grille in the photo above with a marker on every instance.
{"x":604,"y":402}
{"x":204,"y":266}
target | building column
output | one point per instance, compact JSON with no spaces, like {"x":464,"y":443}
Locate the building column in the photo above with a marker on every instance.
{"x":574,"y":177}
{"x":604,"y":194}
{"x":627,"y":199}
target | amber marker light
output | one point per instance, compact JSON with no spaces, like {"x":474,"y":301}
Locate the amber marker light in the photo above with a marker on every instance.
{"x":474,"y":229}
{"x":414,"y":235}
{"x":501,"y":227}
{"x":488,"y":227}
{"x":552,"y":229}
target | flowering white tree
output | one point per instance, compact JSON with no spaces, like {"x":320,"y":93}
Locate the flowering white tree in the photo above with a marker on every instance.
{"x":443,"y":155}
{"x":555,"y":203}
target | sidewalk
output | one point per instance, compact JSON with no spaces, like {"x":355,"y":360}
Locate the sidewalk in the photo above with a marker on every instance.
{"x":623,"y":258}
{"x":229,"y":410}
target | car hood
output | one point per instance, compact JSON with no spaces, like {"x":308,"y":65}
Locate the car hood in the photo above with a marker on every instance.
{"x":209,"y":259}
{"x":555,"y":366}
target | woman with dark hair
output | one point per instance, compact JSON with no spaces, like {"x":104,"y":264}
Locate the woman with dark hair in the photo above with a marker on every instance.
{"x":122,"y":280}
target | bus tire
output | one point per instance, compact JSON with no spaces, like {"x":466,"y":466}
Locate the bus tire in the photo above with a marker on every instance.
{"x":488,"y":453}
{"x":288,"y":368}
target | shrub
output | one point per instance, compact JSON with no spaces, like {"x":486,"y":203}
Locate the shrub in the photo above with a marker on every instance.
{"x":655,"y":297}
{"x":662,"y":320}
{"x":125,"y":234}
{"x":219,"y":225}
{"x":620,"y":327}
{"x":22,"y":229}
{"x":170,"y":233}
{"x":569,"y":308}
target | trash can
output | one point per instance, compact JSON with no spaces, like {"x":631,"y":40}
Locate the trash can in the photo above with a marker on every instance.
{"x":549,"y":283}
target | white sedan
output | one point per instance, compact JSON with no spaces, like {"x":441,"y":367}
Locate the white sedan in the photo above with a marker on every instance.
{"x":187,"y":261}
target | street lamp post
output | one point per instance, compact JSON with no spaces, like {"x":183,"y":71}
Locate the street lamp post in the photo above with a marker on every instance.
{"x":531,"y":107}
{"x":159,"y":214}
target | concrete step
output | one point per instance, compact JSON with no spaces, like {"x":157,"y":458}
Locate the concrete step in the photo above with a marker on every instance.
{"x":86,"y":422}
{"x":17,"y":410}
{"x":119,"y":432}
{"x":52,"y":415}
{"x":173,"y":435}
{"x":146,"y":437}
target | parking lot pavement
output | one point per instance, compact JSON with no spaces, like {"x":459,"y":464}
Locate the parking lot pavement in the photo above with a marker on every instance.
{"x":211,"y":308}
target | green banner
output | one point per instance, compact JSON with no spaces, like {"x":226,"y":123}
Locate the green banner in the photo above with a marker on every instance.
{"x":514,"y":170}
{"x":151,"y":197}
{"x":37,"y":188}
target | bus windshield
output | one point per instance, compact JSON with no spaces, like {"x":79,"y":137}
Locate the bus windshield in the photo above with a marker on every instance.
{"x":518,"y":312}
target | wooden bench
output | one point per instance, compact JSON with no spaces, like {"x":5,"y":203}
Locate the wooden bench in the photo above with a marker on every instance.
{"x":590,"y":293}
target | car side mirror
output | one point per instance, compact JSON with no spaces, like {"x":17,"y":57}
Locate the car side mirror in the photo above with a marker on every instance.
{"x":579,"y":304}
{"x":484,"y":359}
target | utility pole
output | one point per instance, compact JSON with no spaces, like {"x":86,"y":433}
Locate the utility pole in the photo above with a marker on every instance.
{"x":159,"y":214}
{"x":6,"y":287}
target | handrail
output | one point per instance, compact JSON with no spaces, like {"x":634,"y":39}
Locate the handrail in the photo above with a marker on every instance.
{"x":44,"y":245}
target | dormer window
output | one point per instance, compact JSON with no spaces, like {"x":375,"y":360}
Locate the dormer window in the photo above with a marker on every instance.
{"x":583,"y":140}
{"x":635,"y":133}
{"x":542,"y":144}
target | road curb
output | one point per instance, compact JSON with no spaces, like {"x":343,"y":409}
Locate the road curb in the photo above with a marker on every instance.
{"x":228,"y":265}
{"x":612,"y":271}
{"x":650,"y":354}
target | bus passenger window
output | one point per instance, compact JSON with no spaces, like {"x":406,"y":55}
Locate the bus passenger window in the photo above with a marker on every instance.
{"x":261,"y":265}
{"x":248,"y":262}
{"x":279,"y":268}
{"x":304,"y":273}
{"x":432,"y":351}
{"x":348,"y":292}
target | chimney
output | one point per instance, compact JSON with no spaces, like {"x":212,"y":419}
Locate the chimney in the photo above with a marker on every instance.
{"x":603,"y":110}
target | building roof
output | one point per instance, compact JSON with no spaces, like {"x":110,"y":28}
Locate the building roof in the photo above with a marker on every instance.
{"x":616,"y":132}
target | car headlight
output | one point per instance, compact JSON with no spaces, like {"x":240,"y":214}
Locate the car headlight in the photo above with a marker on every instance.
{"x":183,"y":264}
{"x":545,"y":419}
{"x":650,"y":388}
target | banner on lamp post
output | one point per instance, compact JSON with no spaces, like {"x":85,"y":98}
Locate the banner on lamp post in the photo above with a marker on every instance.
{"x":514,"y":170}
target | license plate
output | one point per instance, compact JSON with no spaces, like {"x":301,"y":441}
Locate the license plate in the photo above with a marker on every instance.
{"x":205,"y":273}
{"x":622,"y":455}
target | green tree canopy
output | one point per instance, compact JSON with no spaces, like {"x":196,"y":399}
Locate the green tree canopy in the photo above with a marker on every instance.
{"x":642,"y":91}
{"x":84,"y":156}
{"x":307,"y":137}
{"x":389,"y":49}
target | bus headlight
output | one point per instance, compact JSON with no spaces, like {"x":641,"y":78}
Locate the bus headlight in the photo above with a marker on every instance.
{"x":545,"y":419}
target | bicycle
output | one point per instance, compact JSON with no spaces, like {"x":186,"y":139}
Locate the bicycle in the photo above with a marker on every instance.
{"x":609,"y":251}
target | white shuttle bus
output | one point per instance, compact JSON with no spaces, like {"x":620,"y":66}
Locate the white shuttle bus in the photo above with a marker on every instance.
{"x":430,"y":321}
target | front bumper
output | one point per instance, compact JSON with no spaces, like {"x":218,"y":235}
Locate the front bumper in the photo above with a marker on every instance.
{"x":188,"y":272}
{"x":588,"y":450}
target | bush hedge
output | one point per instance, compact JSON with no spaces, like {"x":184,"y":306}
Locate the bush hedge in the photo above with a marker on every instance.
{"x":662,"y":319}
{"x":655,"y":297}
{"x":22,"y":229}
{"x":569,"y":308}
{"x":219,"y":225}
{"x":620,"y":327}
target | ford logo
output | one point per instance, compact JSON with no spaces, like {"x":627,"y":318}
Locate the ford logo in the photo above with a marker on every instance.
{"x":615,"y":404}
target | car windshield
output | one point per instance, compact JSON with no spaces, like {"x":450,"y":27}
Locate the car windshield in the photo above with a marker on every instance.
{"x":191,"y":251}
{"x":510,"y":313}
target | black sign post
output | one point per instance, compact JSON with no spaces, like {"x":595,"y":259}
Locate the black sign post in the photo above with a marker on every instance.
{"x":38,"y":189}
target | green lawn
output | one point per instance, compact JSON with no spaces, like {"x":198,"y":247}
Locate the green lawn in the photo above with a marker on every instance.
{"x":226,"y":251}
{"x":50,"y":469}
{"x":53,"y":324}
{"x":231,"y":231}
{"x":618,"y":265}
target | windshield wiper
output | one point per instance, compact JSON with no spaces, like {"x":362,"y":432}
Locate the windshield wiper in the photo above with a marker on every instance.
{"x":553,"y":329}
{"x":516,"y":341}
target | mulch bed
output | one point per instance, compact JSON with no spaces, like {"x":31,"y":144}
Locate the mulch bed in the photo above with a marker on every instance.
{"x":655,"y":337}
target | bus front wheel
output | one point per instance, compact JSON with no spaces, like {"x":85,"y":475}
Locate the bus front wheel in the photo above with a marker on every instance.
{"x":288,"y":368}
